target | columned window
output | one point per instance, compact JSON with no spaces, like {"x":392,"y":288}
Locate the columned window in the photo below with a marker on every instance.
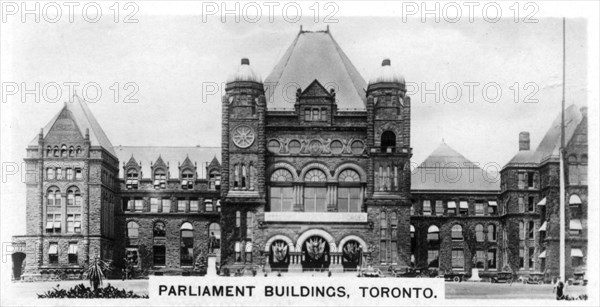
{"x":160,"y":179}
{"x":132,"y":179}
{"x":73,"y":197}
{"x":187,"y":179}
{"x":53,"y":197}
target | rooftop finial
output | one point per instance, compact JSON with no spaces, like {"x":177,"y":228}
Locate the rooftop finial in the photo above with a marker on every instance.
{"x":245,"y":61}
{"x":300,"y":28}
{"x":327,"y":29}
{"x":386,"y":62}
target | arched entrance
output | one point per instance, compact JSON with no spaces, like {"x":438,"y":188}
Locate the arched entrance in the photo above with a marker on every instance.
{"x":17,"y":260}
{"x":351,"y":255}
{"x":315,"y":254}
{"x":279,"y":256}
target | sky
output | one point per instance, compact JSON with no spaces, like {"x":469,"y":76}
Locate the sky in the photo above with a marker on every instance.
{"x":171,"y":61}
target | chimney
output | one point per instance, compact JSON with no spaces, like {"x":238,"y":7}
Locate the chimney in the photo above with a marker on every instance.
{"x":245,"y":61}
{"x":523,"y":141}
{"x":386,"y":62}
{"x":583,"y":111}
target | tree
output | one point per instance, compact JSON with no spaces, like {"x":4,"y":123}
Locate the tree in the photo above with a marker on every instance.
{"x":95,"y":272}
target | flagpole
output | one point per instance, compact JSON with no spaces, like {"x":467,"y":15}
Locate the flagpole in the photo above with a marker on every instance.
{"x":562,"y":170}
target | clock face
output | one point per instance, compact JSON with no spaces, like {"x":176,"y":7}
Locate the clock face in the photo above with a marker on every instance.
{"x":243,"y":136}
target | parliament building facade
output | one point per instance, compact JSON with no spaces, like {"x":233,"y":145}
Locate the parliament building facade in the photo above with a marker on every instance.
{"x":313,"y":173}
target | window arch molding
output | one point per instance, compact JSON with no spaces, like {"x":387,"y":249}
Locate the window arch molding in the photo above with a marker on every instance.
{"x":272,"y":168}
{"x":315,"y":165}
{"x":351,"y":166}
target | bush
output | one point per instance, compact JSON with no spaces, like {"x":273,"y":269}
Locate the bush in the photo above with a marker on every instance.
{"x":81,"y":291}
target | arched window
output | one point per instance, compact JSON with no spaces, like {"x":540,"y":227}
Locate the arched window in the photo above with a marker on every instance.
{"x":315,"y":193}
{"x":56,"y":151}
{"x":78,"y":151}
{"x":281,"y":192}
{"x":433,"y":233}
{"x":388,"y":141}
{"x":63,"y":151}
{"x":71,"y":151}
{"x":214,"y":237}
{"x":187,"y":179}
{"x":521,"y":231}
{"x":53,"y":196}
{"x":492,"y":233}
{"x":160,"y":179}
{"x":187,"y":244}
{"x":73,"y":197}
{"x":159,"y":229}
{"x":349,"y":176}
{"x":315,"y":175}
{"x":479,"y":236}
{"x":244,"y":176}
{"x":457,"y":233}
{"x":133,"y":230}
{"x":530,"y":230}
{"x":48,"y":151}
{"x":238,"y":219}
{"x":349,"y":192}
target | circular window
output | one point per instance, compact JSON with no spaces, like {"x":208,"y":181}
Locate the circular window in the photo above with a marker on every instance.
{"x":337,"y":147}
{"x":294,"y":146}
{"x":273,"y":146}
{"x":243,"y":136}
{"x":358,"y":147}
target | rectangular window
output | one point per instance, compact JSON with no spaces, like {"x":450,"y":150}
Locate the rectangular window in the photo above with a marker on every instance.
{"x":73,"y":223}
{"x":53,"y":223}
{"x":281,"y":199}
{"x":59,"y":173}
{"x":78,"y":174}
{"x":382,"y":252}
{"x":53,"y":253}
{"x":248,"y":257}
{"x":307,"y":115}
{"x":131,"y":255}
{"x":238,"y":251}
{"x":159,"y":255}
{"x":439,"y":207}
{"x":521,"y":181}
{"x":208,"y":205}
{"x":394,"y":252}
{"x":521,"y":258}
{"x":426,"y":207}
{"x":530,"y":204}
{"x":492,"y":205}
{"x":154,"y":204}
{"x":531,"y":230}
{"x":433,"y":257}
{"x":50,"y":173}
{"x":315,"y":199}
{"x":491,"y":259}
{"x":530,"y":256}
{"x":349,"y":200}
{"x":194,"y":205}
{"x":166,"y":205}
{"x":139,"y":205}
{"x":530,"y":180}
{"x":315,"y":114}
{"x":181,"y":205}
{"x":249,"y":226}
{"x":480,"y":259}
{"x":464,"y":208}
{"x":521,"y":204}
{"x":73,"y":249}
{"x":458,"y":259}
{"x":69,"y":174}
{"x":479,"y":209}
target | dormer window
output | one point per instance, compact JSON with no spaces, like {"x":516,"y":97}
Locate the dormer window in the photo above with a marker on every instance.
{"x":187,"y":179}
{"x":160,"y":179}
{"x":63,"y":151}
{"x":214,"y":182}
{"x":132,"y":179}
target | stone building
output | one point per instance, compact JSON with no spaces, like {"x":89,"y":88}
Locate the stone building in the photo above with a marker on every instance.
{"x":314,"y":175}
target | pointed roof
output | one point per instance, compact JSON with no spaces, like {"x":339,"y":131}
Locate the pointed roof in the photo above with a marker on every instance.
{"x":171,"y":154}
{"x":85,"y":120}
{"x":448,"y":170}
{"x":214,"y":163}
{"x":550,"y":144}
{"x":315,"y":55}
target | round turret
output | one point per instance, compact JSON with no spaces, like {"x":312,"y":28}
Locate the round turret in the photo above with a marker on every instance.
{"x":386,"y":74}
{"x":244,"y":73}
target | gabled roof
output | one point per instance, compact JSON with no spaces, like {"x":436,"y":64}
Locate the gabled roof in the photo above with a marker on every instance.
{"x":447,"y":170}
{"x":315,"y":55}
{"x":550,"y":144}
{"x":84,"y":119}
{"x":168,"y":154}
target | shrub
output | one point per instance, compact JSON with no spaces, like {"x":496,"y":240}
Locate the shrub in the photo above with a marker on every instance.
{"x":81,"y":291}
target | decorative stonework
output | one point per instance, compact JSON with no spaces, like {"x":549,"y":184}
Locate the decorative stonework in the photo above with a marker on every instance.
{"x":316,"y":146}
